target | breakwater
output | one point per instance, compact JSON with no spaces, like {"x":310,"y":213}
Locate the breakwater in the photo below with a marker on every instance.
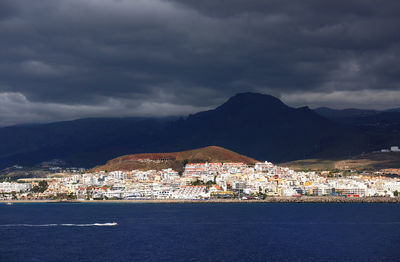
{"x":303,"y":199}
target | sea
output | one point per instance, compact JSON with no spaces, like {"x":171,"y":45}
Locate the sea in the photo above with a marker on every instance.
{"x":199,"y":232}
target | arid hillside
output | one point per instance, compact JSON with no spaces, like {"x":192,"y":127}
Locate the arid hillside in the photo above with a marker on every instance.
{"x":371,"y":161}
{"x":175,"y":160}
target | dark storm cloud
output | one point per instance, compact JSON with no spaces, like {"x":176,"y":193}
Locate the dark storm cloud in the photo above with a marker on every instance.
{"x":69,"y":59}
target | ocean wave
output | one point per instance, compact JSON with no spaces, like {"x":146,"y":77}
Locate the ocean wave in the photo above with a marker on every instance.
{"x":91,"y":225}
{"x":63,"y":225}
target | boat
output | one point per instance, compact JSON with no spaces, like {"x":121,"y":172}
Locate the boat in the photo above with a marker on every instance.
{"x":9,"y":204}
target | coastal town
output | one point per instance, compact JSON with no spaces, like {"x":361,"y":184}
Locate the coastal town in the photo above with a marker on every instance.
{"x":202,"y":181}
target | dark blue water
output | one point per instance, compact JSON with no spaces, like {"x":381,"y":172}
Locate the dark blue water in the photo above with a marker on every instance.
{"x":200,"y":232}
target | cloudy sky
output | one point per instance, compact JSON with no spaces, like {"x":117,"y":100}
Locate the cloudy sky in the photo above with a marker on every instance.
{"x":69,"y":59}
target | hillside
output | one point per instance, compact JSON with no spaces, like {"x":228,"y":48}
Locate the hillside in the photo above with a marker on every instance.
{"x":175,"y":160}
{"x":371,"y":161}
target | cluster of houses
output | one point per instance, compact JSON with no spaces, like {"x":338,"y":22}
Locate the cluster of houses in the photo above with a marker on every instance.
{"x":392,"y":149}
{"x":202,"y":181}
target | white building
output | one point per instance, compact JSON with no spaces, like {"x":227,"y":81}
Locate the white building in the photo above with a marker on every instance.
{"x":8,"y":187}
{"x":394,"y":149}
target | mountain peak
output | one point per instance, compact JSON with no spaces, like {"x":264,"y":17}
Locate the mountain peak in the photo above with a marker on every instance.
{"x":253,"y":102}
{"x":250,"y":96}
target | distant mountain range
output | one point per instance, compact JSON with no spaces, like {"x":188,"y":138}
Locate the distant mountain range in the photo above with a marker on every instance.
{"x":259,"y":126}
{"x":381,"y":127}
{"x":360,"y":117}
{"x":345,"y":113}
{"x":175,"y":160}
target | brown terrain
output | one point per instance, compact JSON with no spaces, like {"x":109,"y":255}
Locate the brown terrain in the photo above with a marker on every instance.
{"x":371,"y":161}
{"x":175,"y":160}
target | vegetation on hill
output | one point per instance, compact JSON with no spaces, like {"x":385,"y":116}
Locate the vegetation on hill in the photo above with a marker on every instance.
{"x":43,"y":185}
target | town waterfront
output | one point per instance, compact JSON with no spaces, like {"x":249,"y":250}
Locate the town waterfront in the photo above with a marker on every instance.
{"x":208,"y":232}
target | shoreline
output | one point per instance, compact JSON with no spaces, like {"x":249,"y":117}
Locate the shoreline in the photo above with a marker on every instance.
{"x":268,"y":200}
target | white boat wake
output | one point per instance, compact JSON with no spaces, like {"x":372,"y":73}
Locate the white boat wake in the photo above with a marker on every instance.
{"x":91,"y":225}
{"x":62,"y":225}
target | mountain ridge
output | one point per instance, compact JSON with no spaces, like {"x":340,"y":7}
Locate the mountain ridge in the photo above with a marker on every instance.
{"x":257,"y":125}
